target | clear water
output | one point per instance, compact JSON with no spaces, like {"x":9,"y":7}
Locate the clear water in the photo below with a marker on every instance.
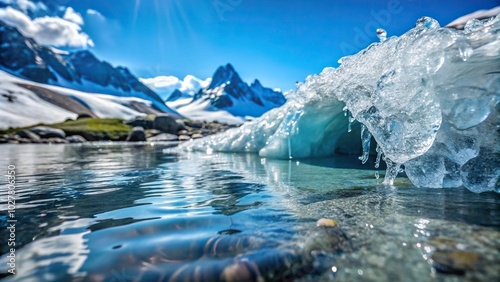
{"x":111,"y":212}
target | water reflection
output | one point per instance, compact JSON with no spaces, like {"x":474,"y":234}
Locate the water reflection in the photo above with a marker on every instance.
{"x":104,"y":212}
{"x":94,"y":209}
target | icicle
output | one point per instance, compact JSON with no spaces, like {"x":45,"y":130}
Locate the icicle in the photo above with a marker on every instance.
{"x":351,"y":120}
{"x":377,"y":160}
{"x":391,"y":172}
{"x":464,"y":50}
{"x":292,"y":129}
{"x":349,"y":116}
{"x":379,"y":155}
{"x":366,"y":137}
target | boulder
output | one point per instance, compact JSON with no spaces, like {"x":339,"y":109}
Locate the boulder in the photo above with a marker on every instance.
{"x":167,"y":124}
{"x":184,"y":132}
{"x":76,"y":139}
{"x":48,"y":132}
{"x":143,"y":122}
{"x":137,"y":134}
{"x":27,"y":134}
{"x":184,"y":138}
{"x":163,"y":137}
{"x":84,"y":115}
{"x":194,"y":124}
{"x":14,"y":137}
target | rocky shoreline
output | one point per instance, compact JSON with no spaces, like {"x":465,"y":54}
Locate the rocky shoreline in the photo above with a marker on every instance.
{"x":150,"y":128}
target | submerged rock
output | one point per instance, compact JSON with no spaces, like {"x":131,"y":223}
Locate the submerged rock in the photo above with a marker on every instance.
{"x":326,"y":222}
{"x":326,"y":237}
{"x":229,"y":256}
{"x":455,"y":261}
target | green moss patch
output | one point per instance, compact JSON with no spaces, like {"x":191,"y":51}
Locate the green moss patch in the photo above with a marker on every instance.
{"x":92,"y":129}
{"x":96,"y":129}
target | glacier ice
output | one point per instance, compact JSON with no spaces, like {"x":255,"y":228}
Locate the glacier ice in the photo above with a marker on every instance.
{"x":366,"y":137}
{"x":429,"y":98}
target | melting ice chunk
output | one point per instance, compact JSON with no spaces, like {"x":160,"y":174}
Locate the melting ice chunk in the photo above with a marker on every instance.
{"x":391,"y":172}
{"x":381,"y":34}
{"x":429,"y":98}
{"x":472,"y":25}
{"x":482,"y":173}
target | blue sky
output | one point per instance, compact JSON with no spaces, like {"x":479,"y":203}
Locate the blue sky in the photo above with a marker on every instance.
{"x":278,"y":42}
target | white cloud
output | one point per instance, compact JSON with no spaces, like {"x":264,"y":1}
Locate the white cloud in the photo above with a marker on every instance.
{"x":60,"y":32}
{"x":47,"y":30}
{"x":73,"y":16}
{"x":163,"y":81}
{"x":165,"y":85}
{"x":95,"y":13}
{"x":17,"y":19}
{"x":26,"y":5}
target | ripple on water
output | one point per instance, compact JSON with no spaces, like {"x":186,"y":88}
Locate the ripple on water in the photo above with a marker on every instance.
{"x":91,"y":212}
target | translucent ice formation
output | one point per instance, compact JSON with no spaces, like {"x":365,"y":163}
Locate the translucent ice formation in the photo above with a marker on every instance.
{"x":429,"y":98}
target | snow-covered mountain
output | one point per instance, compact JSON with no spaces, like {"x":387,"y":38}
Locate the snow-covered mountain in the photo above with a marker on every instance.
{"x":224,"y":97}
{"x":227,"y":98}
{"x":229,"y":92}
{"x":24,"y":102}
{"x":80,"y":70}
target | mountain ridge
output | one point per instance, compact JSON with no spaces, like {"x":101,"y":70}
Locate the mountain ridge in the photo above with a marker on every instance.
{"x":80,"y":70}
{"x":228,"y":91}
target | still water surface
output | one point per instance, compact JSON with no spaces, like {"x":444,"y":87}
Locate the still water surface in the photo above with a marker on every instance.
{"x":114,"y":212}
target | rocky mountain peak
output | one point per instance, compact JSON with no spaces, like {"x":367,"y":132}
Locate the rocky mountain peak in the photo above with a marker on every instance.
{"x":79,"y":70}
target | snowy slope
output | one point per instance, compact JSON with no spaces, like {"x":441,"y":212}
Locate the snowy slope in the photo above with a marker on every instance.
{"x":28,"y":107}
{"x":203,"y":110}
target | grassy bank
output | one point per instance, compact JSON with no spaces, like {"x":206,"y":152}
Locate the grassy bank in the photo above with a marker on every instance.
{"x":92,"y":129}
